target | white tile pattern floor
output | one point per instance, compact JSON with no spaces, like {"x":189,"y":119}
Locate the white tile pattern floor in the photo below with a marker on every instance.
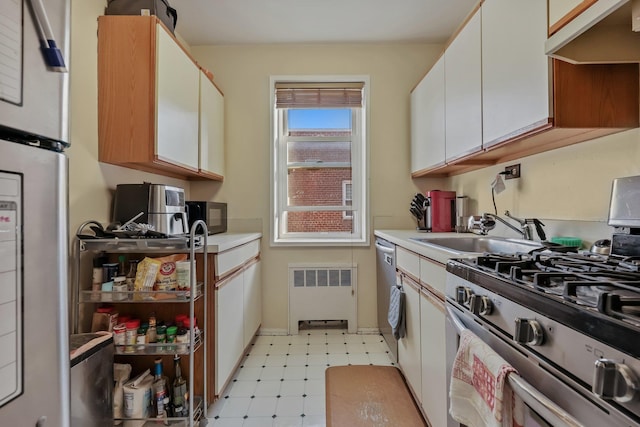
{"x":280,"y":382}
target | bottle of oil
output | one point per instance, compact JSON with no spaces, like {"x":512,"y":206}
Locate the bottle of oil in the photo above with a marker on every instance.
{"x":180,"y":394}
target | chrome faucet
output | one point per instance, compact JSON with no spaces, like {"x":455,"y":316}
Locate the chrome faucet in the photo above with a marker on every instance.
{"x":487,"y":222}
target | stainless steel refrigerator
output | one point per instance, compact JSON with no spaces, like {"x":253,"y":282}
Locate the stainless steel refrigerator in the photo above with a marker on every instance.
{"x":34,"y":333}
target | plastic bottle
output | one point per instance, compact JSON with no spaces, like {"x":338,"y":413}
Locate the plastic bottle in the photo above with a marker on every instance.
{"x":180,"y":395}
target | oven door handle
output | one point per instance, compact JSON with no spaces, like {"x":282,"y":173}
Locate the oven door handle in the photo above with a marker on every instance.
{"x":554,"y":414}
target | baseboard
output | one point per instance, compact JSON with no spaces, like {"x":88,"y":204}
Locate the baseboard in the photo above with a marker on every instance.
{"x":368,"y":331}
{"x":273,"y":331}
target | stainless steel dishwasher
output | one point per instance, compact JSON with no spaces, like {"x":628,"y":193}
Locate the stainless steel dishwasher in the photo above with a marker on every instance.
{"x":386,"y":278}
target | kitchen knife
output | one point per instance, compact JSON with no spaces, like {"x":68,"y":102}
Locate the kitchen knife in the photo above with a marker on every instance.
{"x":416,"y":212}
{"x":416,"y":205}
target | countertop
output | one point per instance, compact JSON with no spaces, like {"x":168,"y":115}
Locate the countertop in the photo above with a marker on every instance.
{"x":225,"y":241}
{"x":403,"y":238}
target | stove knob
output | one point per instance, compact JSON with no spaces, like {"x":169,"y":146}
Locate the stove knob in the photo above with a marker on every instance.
{"x":528,"y":332}
{"x":614,"y":381}
{"x":480,"y":305}
{"x":463,"y":295}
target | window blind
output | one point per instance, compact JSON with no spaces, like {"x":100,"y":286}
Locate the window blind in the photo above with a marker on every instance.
{"x":318,"y":95}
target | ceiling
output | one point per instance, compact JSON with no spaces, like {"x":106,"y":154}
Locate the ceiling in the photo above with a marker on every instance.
{"x":206,"y":22}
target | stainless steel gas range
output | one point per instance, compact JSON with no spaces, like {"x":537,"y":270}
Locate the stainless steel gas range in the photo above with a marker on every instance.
{"x":568,"y":322}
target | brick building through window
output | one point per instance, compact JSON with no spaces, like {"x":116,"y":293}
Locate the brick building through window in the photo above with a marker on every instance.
{"x":319,"y":186}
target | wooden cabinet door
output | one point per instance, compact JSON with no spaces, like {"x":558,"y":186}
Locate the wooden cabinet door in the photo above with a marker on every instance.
{"x":409,"y":346}
{"x":434,"y":361}
{"x":211,"y":128}
{"x":229,"y":329}
{"x":252,"y":301}
{"x":177,"y":99}
{"x":427,"y":120}
{"x":463,"y":92}
{"x":515,"y":69}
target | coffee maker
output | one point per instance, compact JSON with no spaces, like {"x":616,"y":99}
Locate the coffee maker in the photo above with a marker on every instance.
{"x":441,"y":211}
{"x":162,"y":207}
{"x":624,"y":216}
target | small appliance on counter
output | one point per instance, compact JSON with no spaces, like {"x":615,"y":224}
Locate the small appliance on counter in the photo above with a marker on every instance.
{"x":214,"y":214}
{"x":435,"y":212}
{"x":462,"y":214}
{"x":624,"y":216}
{"x":162,"y":207}
{"x":441,"y":211}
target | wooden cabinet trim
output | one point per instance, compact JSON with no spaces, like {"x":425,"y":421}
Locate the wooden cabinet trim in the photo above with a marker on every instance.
{"x":406,"y":279}
{"x":554,"y":27}
{"x":434,"y":299}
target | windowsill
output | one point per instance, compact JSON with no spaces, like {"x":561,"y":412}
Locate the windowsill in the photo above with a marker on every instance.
{"x":319,"y":242}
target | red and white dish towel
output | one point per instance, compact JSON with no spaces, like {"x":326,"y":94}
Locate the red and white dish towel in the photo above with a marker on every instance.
{"x":480,"y":394}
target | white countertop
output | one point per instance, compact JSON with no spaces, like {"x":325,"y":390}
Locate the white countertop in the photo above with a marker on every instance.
{"x":403,"y":238}
{"x":225,"y":241}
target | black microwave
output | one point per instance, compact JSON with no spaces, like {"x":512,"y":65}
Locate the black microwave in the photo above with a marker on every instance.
{"x":214,"y":214}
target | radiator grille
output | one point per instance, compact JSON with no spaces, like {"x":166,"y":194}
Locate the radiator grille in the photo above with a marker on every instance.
{"x":315,"y":277}
{"x":322,"y":293}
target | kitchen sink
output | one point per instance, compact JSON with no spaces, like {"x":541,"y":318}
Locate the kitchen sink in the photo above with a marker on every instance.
{"x":479,"y":244}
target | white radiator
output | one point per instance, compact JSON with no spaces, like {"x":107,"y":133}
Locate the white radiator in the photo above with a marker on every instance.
{"x":322,"y":292}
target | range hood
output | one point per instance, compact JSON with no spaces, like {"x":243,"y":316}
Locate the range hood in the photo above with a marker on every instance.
{"x":603,"y":33}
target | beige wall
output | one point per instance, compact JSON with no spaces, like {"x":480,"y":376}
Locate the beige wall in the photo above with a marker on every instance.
{"x":571,"y":183}
{"x":242,"y":72}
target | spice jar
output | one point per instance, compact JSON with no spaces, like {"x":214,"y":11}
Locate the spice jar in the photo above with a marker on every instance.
{"x":141,"y":338}
{"x":171,"y":336}
{"x":131,"y":335}
{"x":182,"y":338}
{"x":161,"y":336}
{"x":119,"y":332}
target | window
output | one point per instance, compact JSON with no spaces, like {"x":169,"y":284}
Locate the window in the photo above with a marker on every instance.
{"x":319,"y":161}
{"x":346,"y":198}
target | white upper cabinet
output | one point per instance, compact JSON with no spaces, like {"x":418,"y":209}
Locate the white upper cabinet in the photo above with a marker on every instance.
{"x":427,"y":120}
{"x":463,"y":91}
{"x":558,"y":9}
{"x":515,"y":70}
{"x":211,"y":128}
{"x":178,"y":93}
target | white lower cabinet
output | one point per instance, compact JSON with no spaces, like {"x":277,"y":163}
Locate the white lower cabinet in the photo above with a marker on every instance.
{"x":422,"y":353}
{"x":434,"y":363}
{"x":237,"y":319}
{"x":252,"y":302}
{"x":409,"y":347}
{"x":229,"y":328}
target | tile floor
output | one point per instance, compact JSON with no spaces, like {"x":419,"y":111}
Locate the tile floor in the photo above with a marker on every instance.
{"x":280,"y":382}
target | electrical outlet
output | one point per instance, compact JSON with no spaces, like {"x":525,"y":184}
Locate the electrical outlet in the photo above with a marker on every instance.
{"x":512,"y":171}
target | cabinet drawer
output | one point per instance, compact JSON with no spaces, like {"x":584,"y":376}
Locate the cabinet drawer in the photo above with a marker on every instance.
{"x":433,"y":274}
{"x":228,"y":261}
{"x":408,"y":262}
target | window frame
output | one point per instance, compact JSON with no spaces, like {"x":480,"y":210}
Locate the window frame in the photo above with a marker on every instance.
{"x":359,"y":164}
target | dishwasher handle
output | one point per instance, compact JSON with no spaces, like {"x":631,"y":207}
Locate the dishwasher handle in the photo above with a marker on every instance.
{"x":529,"y":395}
{"x":384,"y":249}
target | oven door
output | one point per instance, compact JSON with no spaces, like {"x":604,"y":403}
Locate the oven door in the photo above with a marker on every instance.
{"x":542,"y":410}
